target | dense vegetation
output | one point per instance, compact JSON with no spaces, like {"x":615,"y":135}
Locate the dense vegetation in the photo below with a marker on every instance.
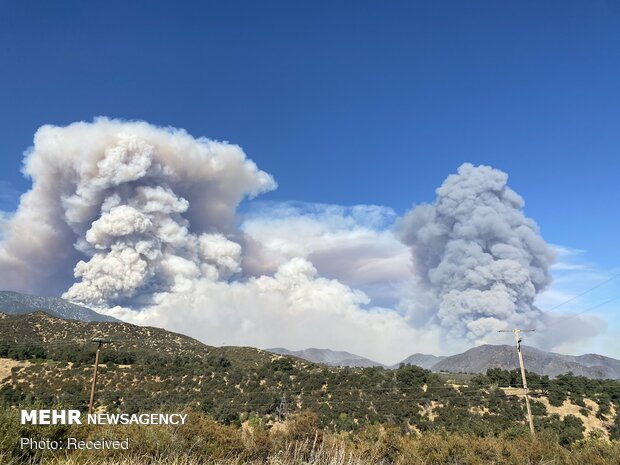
{"x":237,"y":387}
{"x":410,"y":398}
{"x":297,"y":441}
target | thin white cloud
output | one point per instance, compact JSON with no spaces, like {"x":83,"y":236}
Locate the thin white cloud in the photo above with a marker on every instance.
{"x":573,"y":275}
{"x":355,"y":245}
{"x":577,"y":286}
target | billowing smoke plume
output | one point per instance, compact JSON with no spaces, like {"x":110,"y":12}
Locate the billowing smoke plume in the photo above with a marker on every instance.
{"x":140,"y":222}
{"x":478,"y":255}
{"x":143,"y":209}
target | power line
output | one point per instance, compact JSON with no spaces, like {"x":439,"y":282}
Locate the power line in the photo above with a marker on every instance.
{"x":594,"y":307}
{"x":116,"y":342}
{"x":306,"y":402}
{"x":388,"y":389}
{"x":453,"y":393}
{"x":611,"y":278}
{"x":597,"y":306}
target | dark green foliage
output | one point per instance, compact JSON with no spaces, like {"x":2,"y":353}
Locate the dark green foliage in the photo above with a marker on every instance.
{"x":232,"y":384}
{"x":557,"y":395}
{"x":572,"y":430}
{"x":22,"y":351}
{"x":11,"y":395}
{"x":282,"y":364}
{"x":118,"y":357}
{"x":505,"y":378}
{"x":538,"y":408}
{"x":343,"y":399}
{"x":567,"y":430}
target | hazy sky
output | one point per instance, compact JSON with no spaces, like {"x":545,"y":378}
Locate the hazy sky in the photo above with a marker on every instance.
{"x":348,"y":103}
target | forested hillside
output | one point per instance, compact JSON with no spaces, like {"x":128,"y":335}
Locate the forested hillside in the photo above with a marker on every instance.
{"x":49,"y":360}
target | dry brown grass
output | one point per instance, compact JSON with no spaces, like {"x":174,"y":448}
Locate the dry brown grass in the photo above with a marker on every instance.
{"x":7,"y":364}
{"x":428,"y":450}
{"x":591,"y":422}
{"x":202,"y":441}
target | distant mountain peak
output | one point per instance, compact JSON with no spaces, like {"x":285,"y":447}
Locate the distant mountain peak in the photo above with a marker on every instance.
{"x":14,"y":303}
{"x":327,"y":357}
{"x":422,"y":360}
{"x":479,"y":359}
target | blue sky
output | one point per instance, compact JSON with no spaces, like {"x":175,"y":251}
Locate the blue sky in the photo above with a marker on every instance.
{"x":347,"y":102}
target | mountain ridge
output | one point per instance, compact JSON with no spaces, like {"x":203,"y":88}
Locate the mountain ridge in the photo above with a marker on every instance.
{"x":478,"y":360}
{"x":328,"y":357}
{"x":423,"y":360}
{"x":15,"y":303}
{"x":481,"y":358}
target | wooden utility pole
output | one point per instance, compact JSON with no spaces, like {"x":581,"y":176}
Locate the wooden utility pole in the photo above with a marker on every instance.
{"x":91,"y":403}
{"x":517,"y":333}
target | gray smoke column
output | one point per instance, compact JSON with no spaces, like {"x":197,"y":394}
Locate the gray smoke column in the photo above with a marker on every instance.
{"x":478,"y":255}
{"x":140,"y":209}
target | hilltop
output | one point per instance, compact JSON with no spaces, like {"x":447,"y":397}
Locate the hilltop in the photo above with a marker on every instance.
{"x":58,"y":336}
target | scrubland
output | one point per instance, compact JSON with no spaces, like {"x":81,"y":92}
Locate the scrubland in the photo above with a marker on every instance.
{"x":297,"y":441}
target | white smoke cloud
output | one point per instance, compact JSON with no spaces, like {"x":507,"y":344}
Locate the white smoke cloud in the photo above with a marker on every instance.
{"x":295,"y":308}
{"x":145,"y":220}
{"x":355,"y":245}
{"x":138,"y":208}
{"x":140,"y":222}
